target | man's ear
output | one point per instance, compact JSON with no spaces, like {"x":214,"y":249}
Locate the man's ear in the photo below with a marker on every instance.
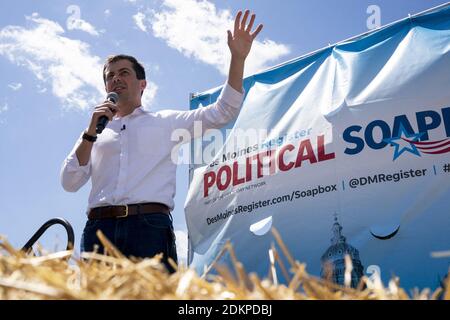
{"x":143,"y":84}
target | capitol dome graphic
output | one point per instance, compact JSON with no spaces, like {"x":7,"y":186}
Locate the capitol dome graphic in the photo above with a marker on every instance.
{"x":333,"y":260}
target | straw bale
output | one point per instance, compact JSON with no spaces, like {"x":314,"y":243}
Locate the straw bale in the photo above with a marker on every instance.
{"x":62,"y":275}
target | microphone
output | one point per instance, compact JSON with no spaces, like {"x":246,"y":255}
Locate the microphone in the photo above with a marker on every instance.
{"x":103,"y":120}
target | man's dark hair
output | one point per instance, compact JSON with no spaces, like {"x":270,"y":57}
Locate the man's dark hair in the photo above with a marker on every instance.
{"x":137,"y":66}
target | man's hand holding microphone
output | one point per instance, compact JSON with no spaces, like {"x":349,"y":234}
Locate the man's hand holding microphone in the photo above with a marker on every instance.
{"x":102,"y":114}
{"x":100,"y":117}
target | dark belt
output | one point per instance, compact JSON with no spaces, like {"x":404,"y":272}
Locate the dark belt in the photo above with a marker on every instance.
{"x":123,"y":211}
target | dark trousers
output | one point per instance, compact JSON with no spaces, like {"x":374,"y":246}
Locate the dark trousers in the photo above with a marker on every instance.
{"x":140,"y":236}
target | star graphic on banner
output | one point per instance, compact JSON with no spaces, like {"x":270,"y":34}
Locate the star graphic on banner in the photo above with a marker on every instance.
{"x":406,"y":146}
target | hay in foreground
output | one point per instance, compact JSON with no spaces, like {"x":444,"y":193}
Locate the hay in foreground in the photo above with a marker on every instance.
{"x":112,"y":276}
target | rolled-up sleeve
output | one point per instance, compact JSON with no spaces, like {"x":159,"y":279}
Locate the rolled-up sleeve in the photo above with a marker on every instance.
{"x":214,"y":116}
{"x":74,"y":176}
{"x":231,"y":97}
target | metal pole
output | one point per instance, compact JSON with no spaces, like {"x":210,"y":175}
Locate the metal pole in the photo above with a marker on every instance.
{"x":48,"y":224}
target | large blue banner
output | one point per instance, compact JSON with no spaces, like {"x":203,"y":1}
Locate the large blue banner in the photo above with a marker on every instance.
{"x":345,"y":151}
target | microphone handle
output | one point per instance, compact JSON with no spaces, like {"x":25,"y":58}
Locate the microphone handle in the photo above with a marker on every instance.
{"x":103,"y":120}
{"x":101,"y":124}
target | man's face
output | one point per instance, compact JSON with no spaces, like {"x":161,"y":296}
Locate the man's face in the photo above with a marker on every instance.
{"x":121,"y":78}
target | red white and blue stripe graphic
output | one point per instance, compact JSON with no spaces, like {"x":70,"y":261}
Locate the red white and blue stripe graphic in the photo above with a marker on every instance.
{"x":432,"y":147}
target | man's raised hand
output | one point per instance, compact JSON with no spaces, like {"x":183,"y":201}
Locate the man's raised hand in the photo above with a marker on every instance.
{"x":240,"y":41}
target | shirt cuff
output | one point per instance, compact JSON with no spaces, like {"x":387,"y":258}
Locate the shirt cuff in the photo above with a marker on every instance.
{"x":72,"y":162}
{"x":231,"y":96}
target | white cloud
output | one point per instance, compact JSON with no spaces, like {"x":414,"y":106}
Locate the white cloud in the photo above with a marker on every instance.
{"x":4,"y":108}
{"x":15,"y":86}
{"x":80,"y":24}
{"x":107,"y":13}
{"x":41,"y":89}
{"x":197,"y":29}
{"x":139,"y":20}
{"x":149,"y":95}
{"x":67,"y":65}
{"x":182,"y":246}
{"x":155,"y":68}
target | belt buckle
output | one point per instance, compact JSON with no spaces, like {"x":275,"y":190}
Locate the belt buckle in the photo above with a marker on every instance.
{"x":126,"y":211}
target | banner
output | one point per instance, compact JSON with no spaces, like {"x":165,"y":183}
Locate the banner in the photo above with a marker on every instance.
{"x":345,"y":151}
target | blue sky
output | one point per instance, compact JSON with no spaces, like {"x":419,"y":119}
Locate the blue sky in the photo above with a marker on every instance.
{"x":51,"y":55}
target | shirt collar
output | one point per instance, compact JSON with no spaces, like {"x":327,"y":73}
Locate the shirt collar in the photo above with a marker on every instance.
{"x":137,"y":111}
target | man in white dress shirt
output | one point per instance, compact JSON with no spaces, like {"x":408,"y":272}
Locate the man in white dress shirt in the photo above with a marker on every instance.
{"x":129,"y":163}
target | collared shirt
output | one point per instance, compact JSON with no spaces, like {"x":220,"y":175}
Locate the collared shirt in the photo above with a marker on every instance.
{"x":131,"y":160}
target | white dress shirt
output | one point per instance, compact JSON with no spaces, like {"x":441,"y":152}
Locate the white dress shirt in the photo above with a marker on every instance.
{"x":134,"y":165}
